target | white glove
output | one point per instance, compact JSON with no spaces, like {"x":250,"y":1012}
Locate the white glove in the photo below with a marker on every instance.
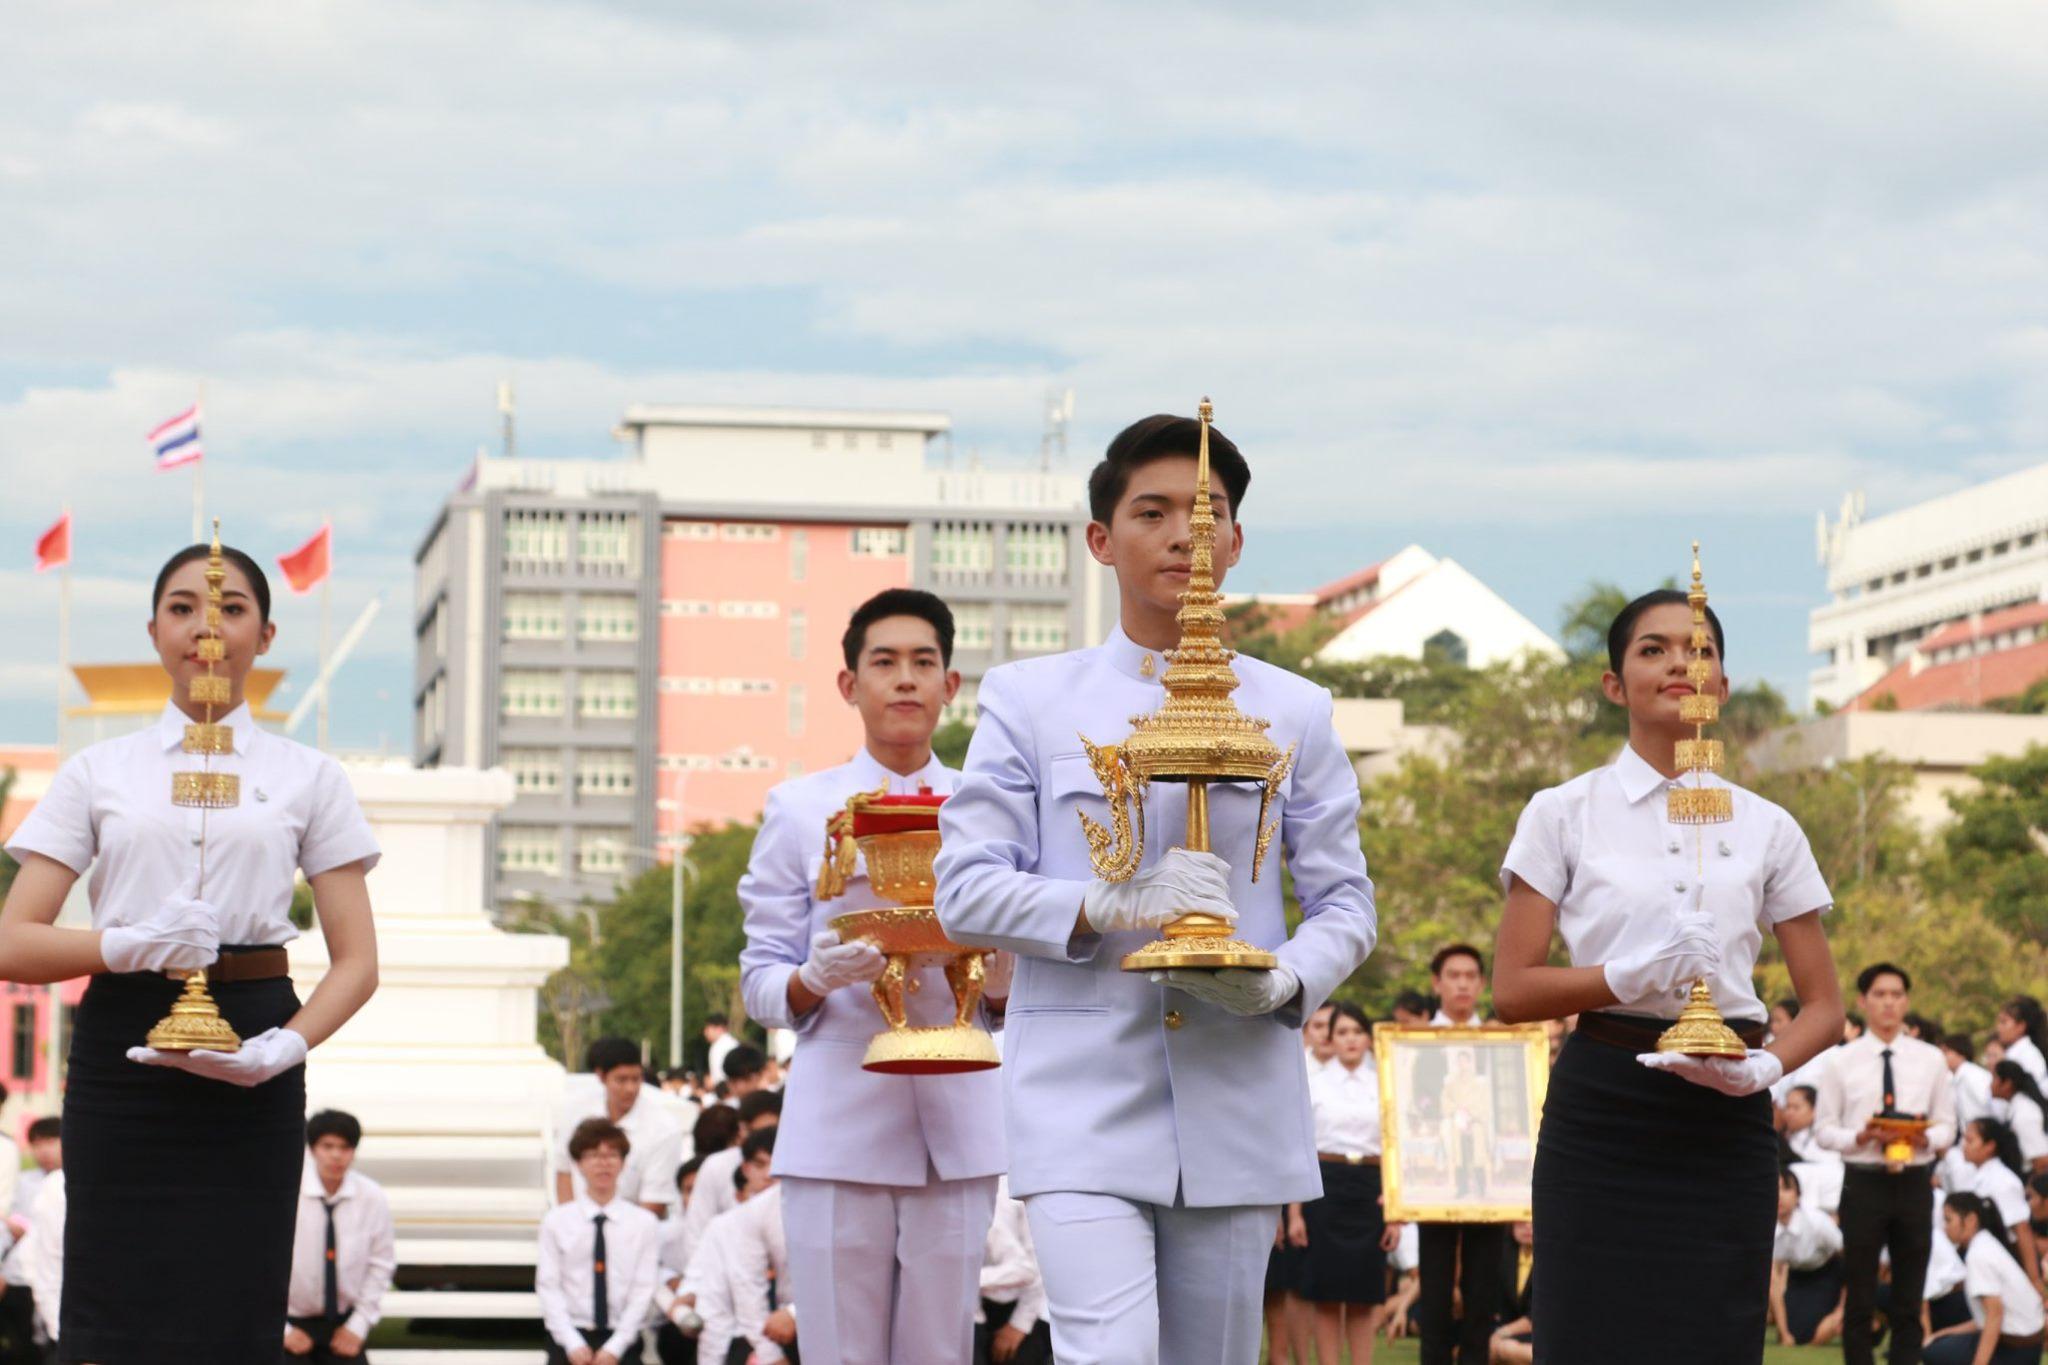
{"x":687,"y":1320}
{"x":1181,"y":881}
{"x":1237,"y":989}
{"x":1654,"y":976}
{"x":834,"y":964}
{"x":270,"y":1053}
{"x":184,"y":934}
{"x":998,"y":970}
{"x":1736,"y":1076}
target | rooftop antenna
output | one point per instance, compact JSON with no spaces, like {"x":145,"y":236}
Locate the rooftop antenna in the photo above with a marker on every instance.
{"x":1059,"y":415}
{"x":506,"y":411}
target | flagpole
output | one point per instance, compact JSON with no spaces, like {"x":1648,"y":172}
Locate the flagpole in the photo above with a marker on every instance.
{"x":63,"y":629}
{"x":199,"y":472}
{"x":326,"y":637}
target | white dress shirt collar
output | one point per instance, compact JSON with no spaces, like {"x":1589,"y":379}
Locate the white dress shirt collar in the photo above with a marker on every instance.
{"x":590,"y":1208}
{"x":312,"y":1187}
{"x":869,"y":773}
{"x":1132,"y":659}
{"x":171,"y":723}
{"x":1638,"y":779}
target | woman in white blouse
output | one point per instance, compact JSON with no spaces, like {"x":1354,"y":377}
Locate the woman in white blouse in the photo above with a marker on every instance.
{"x":1991,"y":1170}
{"x":2022,"y":1029}
{"x":2015,"y":1087}
{"x":1634,"y":1142}
{"x":1346,"y":1272}
{"x":183,"y":1170}
{"x":2006,"y":1312}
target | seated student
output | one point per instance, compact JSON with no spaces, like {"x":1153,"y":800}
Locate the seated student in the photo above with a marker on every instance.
{"x":1969,"y":1082}
{"x":1404,"y":1269}
{"x":344,"y":1251}
{"x":1992,"y":1156}
{"x":1943,"y":1302}
{"x":741,"y":1271}
{"x":1799,"y":1134}
{"x":1011,"y":1327}
{"x":675,"y":1341}
{"x":2022,"y":1103}
{"x":1512,"y":1341}
{"x":17,"y":1295}
{"x":622,"y":1097}
{"x":2005,"y":1308}
{"x":596,"y":1269}
{"x":1806,"y":1271}
{"x":713,"y":1192}
{"x":2037,"y":1214}
{"x":746,"y":1071}
{"x":43,"y":1255}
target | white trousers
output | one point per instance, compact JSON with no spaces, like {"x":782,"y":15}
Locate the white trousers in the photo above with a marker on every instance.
{"x":1141,"y":1284}
{"x":887,"y":1274}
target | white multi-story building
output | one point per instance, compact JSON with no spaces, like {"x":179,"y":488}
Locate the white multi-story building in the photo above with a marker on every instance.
{"x":1895,"y":579}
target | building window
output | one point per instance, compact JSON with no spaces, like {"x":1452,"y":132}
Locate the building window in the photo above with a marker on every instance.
{"x":609,"y":695}
{"x":799,"y":555}
{"x":527,"y":849}
{"x":604,"y":772}
{"x":852,"y":440}
{"x":536,"y":540}
{"x":745,"y":687}
{"x":689,"y":687}
{"x":745,"y":763}
{"x":817,"y":440}
{"x":798,"y":696}
{"x":972,"y":625}
{"x":883,"y":440}
{"x":23,"y":1063}
{"x":1446,"y":646}
{"x":879,"y":542}
{"x":608,"y":543}
{"x":1037,"y":552}
{"x":963,"y":547}
{"x":1037,"y":628}
{"x":533,"y":616}
{"x":691,"y":530}
{"x":535,"y":772}
{"x":799,"y":633}
{"x":530,"y":692}
{"x":610,"y":617}
{"x":602,"y":850}
{"x":749,"y":530}
{"x":738,"y":610}
{"x":686,"y":606}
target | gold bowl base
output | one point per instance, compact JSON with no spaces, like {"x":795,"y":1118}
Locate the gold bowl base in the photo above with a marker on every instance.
{"x":906,"y":930}
{"x":1700,"y":1030}
{"x":1194,"y":953}
{"x":945,"y":1051}
{"x":194,"y":1033}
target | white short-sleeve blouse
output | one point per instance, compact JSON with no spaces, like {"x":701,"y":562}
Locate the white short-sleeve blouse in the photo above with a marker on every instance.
{"x":109,"y":810}
{"x":1603,"y":850}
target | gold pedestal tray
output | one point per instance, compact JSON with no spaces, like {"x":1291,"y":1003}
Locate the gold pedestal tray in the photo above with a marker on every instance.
{"x":911,"y":936}
{"x":1700,"y":1030}
{"x":1898,"y":1132}
{"x":194,"y":1023}
{"x":1197,"y":941}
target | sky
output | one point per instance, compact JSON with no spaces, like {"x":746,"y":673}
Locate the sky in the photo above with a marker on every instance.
{"x":1549,"y":289}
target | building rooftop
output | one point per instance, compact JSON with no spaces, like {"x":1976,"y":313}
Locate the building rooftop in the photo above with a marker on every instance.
{"x":801,"y":419}
{"x":1989,"y":625}
{"x":1963,"y":684}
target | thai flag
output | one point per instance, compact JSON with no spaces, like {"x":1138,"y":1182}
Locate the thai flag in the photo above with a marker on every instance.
{"x":176,"y":442}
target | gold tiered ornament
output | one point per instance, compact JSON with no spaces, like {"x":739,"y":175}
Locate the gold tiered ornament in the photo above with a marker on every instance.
{"x":1198,"y":737}
{"x":899,"y":838}
{"x":1700,"y":1030}
{"x":195,"y":1023}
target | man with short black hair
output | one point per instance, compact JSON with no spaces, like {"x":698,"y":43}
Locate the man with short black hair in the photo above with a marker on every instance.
{"x":1886,"y":1204}
{"x":17,"y":1303}
{"x":623,"y":1097}
{"x":1459,"y":1261}
{"x":345,"y":1250}
{"x":595,"y":1272}
{"x":746,"y":1070}
{"x":886,"y":1182}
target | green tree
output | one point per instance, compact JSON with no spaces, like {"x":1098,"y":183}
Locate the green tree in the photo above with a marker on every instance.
{"x":1997,"y":848}
{"x":8,"y":867}
{"x":1257,"y":629}
{"x":1585,"y":620}
{"x":949,"y":742}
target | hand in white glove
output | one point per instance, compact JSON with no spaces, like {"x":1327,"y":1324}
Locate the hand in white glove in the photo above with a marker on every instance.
{"x":270,"y":1053}
{"x":1736,"y":1076}
{"x":1181,"y":881}
{"x":1237,"y":989}
{"x":998,"y":970}
{"x":182,"y":935}
{"x":1664,"y":974}
{"x":834,"y":964}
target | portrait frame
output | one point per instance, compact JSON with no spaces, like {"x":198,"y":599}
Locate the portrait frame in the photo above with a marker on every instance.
{"x":1459,"y":1112}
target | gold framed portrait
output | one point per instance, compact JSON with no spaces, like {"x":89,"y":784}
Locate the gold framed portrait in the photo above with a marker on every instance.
{"x":1459,"y":1109}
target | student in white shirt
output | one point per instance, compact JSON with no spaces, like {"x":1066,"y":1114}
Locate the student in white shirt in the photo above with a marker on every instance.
{"x":1290,"y":1322}
{"x":1459,"y":1260}
{"x":1970,"y":1082}
{"x":714,"y":1190}
{"x":1011,"y":1325}
{"x":1806,"y":1270}
{"x":1993,"y":1155}
{"x":1348,"y":1240}
{"x":742,"y":1264}
{"x":43,"y":1253}
{"x":46,"y":1153}
{"x":221,"y":1146}
{"x":2022,"y":1029}
{"x":2006,"y":1310}
{"x":345,"y":1250}
{"x":2013,"y":1086}
{"x":1799,"y":1134}
{"x":1406,"y":1263}
{"x":623,"y":1097}
{"x":719,"y":1036}
{"x":1943,"y":1302}
{"x":1646,"y":907}
{"x":595,"y":1274}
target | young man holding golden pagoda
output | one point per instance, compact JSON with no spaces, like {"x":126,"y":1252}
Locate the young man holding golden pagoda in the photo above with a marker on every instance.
{"x":1158,"y":1109}
{"x":888,"y":1180}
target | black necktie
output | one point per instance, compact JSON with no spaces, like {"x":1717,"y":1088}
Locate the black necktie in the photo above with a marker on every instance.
{"x":1891,"y":1091}
{"x":330,"y":1274}
{"x":600,"y":1301}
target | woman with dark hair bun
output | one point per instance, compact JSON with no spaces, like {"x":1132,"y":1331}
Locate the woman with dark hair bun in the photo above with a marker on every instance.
{"x":1636,"y":1142}
{"x":2022,"y":1028}
{"x":183,"y":1169}
{"x":2026,"y":1113}
{"x":1348,"y":1239}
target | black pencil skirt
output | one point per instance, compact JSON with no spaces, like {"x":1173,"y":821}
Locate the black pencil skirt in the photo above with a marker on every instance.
{"x":1345,"y":1263}
{"x":1655,"y":1204}
{"x":182,"y":1192}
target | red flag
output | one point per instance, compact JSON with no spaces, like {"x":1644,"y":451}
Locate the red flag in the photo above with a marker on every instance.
{"x":306,"y":567}
{"x":53,"y":547}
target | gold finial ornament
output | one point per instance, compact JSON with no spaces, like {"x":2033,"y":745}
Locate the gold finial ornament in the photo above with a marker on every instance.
{"x":1700,"y":1030}
{"x":195,"y":1023}
{"x":1198,"y":736}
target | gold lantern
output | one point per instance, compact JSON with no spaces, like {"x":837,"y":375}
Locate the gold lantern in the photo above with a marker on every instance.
{"x":1197,"y":737}
{"x":898,"y":836}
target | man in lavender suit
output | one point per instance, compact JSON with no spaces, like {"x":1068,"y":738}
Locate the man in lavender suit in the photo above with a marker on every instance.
{"x":1155,"y":1126}
{"x":888,"y":1182}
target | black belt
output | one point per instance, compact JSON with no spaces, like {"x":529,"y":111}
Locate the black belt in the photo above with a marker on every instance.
{"x":1339,"y":1159}
{"x":244,"y":964}
{"x":1639,"y":1034}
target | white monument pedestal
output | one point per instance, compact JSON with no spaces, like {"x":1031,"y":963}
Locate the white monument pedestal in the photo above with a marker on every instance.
{"x":442,"y":1066}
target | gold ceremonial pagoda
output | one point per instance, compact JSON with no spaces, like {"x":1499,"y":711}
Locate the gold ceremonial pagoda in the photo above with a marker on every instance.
{"x":1197,"y":737}
{"x":195,"y":1023}
{"x":1700,"y":1030}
